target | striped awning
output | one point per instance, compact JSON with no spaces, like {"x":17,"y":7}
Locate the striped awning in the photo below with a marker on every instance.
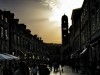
{"x":83,"y":51}
{"x":5,"y":57}
{"x":12,"y":56}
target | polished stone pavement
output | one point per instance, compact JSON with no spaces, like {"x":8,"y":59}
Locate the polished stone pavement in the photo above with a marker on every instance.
{"x":66,"y":71}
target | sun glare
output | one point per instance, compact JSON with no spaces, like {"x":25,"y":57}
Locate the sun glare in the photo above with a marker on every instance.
{"x":64,"y":7}
{"x":56,"y":15}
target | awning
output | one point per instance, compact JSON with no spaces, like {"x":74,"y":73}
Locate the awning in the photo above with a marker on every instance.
{"x":12,"y":56}
{"x":75,"y":54}
{"x":4,"y":57}
{"x":83,"y":51}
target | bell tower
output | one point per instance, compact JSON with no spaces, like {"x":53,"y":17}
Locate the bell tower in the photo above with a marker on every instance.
{"x":64,"y":27}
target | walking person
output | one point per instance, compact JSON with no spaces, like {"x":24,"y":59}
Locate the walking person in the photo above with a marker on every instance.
{"x":10,"y":71}
{"x":21,"y":70}
{"x":34,"y":69}
{"x":5,"y":71}
{"x":1,"y":70}
{"x":98,"y":68}
{"x":62,"y":65}
{"x":43,"y":70}
{"x":50,"y":66}
{"x":77,"y":67}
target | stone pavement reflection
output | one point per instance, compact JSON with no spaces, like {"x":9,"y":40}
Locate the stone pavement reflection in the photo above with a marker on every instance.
{"x":66,"y":71}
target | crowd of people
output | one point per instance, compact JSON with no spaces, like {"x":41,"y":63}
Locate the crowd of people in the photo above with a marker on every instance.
{"x":23,"y":68}
{"x":5,"y":70}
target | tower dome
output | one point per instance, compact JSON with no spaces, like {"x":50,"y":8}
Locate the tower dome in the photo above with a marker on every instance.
{"x":64,"y":17}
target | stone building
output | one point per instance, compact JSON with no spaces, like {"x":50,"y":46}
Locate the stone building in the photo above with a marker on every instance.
{"x":54,"y":52}
{"x":4,"y":32}
{"x":85,"y":35}
{"x":16,"y":40}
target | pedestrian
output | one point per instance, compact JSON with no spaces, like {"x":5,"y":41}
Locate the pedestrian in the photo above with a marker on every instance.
{"x":5,"y":71}
{"x":10,"y":70}
{"x":27,"y":68}
{"x":62,"y":65}
{"x":34,"y":69}
{"x":21,"y":70}
{"x":43,"y":70}
{"x":47,"y":72}
{"x":56,"y":66}
{"x":77,"y":67}
{"x":1,"y":70}
{"x":98,"y":68}
{"x":50,"y":66}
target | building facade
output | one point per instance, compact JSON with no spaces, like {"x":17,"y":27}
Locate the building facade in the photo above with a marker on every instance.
{"x":16,"y":40}
{"x":85,"y":36}
{"x":54,"y":52}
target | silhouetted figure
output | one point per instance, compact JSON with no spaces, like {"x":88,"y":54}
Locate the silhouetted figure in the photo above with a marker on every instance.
{"x":73,"y":65}
{"x":62,"y":65}
{"x":11,"y":71}
{"x":43,"y":70}
{"x":50,"y":66}
{"x":1,"y":70}
{"x":34,"y":69}
{"x":22,"y":69}
{"x":16,"y":66}
{"x":5,"y":71}
{"x":56,"y":66}
{"x":92,"y":68}
{"x":27,"y":68}
{"x":98,"y":68}
{"x":77,"y":67}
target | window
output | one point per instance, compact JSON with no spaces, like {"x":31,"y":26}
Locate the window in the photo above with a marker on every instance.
{"x":21,"y":41}
{"x":6,"y":34}
{"x":83,"y":38}
{"x":98,"y":19}
{"x":98,"y":16}
{"x":82,"y":17}
{"x":18,"y":40}
{"x":64,"y":35}
{"x":2,"y":47}
{"x":1,"y":32}
{"x":5,"y":19}
{"x":2,"y":17}
{"x":14,"y":37}
{"x":84,"y":12}
{"x":64,"y":28}
{"x":86,"y":8}
{"x":64,"y":21}
{"x":93,"y":23}
{"x":93,"y":27}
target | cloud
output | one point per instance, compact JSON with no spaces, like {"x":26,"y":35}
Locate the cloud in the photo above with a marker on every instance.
{"x":37,"y":0}
{"x":51,"y":3}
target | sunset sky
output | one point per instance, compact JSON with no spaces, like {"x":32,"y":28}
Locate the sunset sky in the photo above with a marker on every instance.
{"x":42,"y":17}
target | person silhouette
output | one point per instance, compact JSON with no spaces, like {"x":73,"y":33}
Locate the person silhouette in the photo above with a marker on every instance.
{"x":21,"y":70}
